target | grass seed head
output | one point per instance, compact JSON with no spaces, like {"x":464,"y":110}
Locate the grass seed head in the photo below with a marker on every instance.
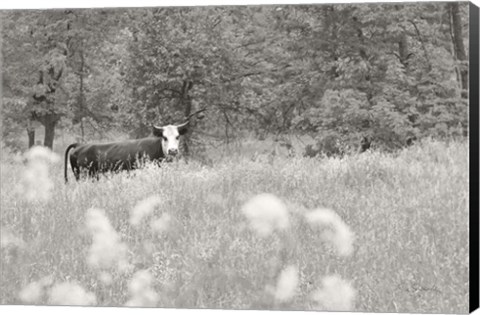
{"x":266,"y":213}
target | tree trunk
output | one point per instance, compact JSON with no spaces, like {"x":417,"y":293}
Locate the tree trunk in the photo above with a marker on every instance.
{"x":460,"y":53}
{"x":30,"y":134}
{"x":82,"y":128}
{"x":49,"y":79}
{"x":424,"y":47}
{"x":49,"y":121}
{"x":186,"y":101}
{"x":49,"y":133}
{"x":81,"y":95}
{"x":403,"y":50}
{"x":31,"y":137}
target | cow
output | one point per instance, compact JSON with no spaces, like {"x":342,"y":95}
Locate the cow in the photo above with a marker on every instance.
{"x":95,"y":159}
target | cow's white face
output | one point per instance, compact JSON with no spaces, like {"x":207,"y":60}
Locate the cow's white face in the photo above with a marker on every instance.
{"x":170,"y":138}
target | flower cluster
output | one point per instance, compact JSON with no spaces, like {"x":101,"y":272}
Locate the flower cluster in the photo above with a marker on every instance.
{"x":107,"y":250}
{"x":70,"y":293}
{"x":266,"y":213}
{"x":141,"y":292}
{"x":143,"y":209}
{"x":337,"y":232}
{"x":336,"y":294}
{"x":36,"y":184}
{"x":287,"y":284}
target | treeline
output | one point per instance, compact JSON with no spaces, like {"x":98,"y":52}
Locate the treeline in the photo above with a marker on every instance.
{"x":347,"y":74}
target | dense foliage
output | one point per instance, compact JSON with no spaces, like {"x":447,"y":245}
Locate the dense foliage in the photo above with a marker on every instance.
{"x":380,"y":74}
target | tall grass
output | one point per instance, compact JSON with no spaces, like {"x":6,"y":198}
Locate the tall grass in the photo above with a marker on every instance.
{"x":395,"y":239}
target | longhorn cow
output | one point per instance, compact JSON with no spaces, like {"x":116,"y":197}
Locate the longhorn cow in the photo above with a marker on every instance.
{"x":95,"y":159}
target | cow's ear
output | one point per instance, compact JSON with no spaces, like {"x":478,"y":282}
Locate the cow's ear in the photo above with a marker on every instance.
{"x":157,"y":131}
{"x":183,"y":128}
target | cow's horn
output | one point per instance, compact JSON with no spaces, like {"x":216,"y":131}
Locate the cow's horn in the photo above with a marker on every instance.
{"x":184,"y":125}
{"x":182,"y":128}
{"x":157,"y":131}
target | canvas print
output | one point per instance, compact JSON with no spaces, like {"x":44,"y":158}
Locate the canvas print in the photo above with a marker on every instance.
{"x":268,"y":157}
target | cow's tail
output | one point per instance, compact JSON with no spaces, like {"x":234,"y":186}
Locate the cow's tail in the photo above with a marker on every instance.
{"x":72,"y":146}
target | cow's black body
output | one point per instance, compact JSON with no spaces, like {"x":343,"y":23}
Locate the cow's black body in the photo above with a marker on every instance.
{"x":94,"y":159}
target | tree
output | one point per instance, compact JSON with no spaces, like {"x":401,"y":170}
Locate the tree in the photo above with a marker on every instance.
{"x":391,"y":61}
{"x":35,"y":53}
{"x":343,"y":73}
{"x":49,"y":61}
{"x":178,"y":61}
{"x":456,"y":28}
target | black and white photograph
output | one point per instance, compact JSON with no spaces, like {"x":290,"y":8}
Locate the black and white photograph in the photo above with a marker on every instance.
{"x":287,"y":157}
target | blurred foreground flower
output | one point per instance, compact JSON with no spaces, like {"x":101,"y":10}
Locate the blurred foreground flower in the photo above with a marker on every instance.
{"x":33,"y":292}
{"x":161,"y":225}
{"x":7,"y":239}
{"x":107,"y":250}
{"x":36,"y":184}
{"x":105,"y":278}
{"x":70,"y":293}
{"x":10,"y":246}
{"x":266,"y":213}
{"x":143,"y":209}
{"x":287,"y":284}
{"x":141,"y":292}
{"x":338,"y":233}
{"x":336,"y":294}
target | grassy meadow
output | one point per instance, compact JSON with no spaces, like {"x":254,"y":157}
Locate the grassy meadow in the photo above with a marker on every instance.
{"x":191,"y":244}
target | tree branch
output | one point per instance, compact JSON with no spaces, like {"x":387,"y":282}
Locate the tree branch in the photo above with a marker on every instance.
{"x":425,"y":52}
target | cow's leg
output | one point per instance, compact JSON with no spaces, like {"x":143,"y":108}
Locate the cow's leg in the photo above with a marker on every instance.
{"x":76,"y":173}
{"x":75,"y":169}
{"x":93,"y":171}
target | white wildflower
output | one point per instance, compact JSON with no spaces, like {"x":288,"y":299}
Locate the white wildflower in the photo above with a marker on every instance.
{"x":36,"y":184}
{"x":40,"y":153}
{"x":7,"y":239}
{"x":266,"y":213}
{"x":161,"y":225}
{"x":143,"y":209}
{"x":141,"y":291}
{"x":105,"y":277}
{"x":33,"y":292}
{"x":46,"y":281}
{"x":336,"y":294}
{"x":287,"y":284}
{"x":106,"y":250}
{"x":70,"y":293}
{"x":338,"y":233}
